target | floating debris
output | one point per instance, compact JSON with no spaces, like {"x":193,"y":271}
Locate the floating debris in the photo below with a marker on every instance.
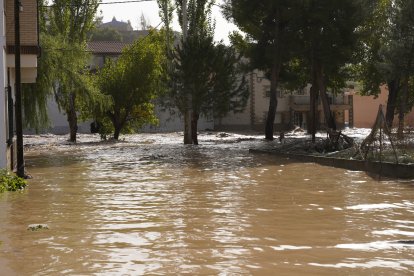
{"x":37,"y":227}
{"x":223,"y":135}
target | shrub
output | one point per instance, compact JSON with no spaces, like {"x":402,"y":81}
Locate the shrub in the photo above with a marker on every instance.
{"x":10,"y":182}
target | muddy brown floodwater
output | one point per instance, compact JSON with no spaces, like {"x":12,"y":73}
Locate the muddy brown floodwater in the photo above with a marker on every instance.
{"x":151,"y":206}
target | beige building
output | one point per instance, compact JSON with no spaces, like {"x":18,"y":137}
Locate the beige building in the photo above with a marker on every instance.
{"x":293,"y":108}
{"x":29,"y":53}
{"x":366,"y":110}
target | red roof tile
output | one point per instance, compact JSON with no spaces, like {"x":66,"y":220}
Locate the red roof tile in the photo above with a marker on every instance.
{"x":107,"y":47}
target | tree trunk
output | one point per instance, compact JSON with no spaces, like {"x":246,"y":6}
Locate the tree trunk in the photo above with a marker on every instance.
{"x":404,"y":96}
{"x":72,"y":118}
{"x":313,"y":101}
{"x":330,"y":122}
{"x":313,"y":109}
{"x":188,"y":115}
{"x":400,"y":131}
{"x":194,"y":127}
{"x":117,"y":122}
{"x":393,"y":88}
{"x":403,"y":108}
{"x":117,"y":131}
{"x":271,"y":114}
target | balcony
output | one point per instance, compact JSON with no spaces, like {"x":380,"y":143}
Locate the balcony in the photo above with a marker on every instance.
{"x":302,"y":103}
{"x":28,"y":39}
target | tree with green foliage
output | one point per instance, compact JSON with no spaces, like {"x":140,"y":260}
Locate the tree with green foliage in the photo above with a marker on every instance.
{"x":132,"y":82}
{"x":370,"y":67}
{"x":329,"y":38}
{"x":211,"y":73}
{"x":400,"y":51}
{"x":166,"y":11}
{"x":387,"y":54}
{"x":204,"y":76}
{"x":318,"y":35}
{"x":269,"y":29}
{"x":63,"y":68}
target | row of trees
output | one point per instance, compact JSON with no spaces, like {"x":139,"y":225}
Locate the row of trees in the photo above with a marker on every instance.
{"x":132,"y":83}
{"x":326,"y":43}
{"x":322,"y":42}
{"x":64,"y":27}
{"x":193,"y":73}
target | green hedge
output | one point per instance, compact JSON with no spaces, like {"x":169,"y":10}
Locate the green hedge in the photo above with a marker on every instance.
{"x":11,"y":182}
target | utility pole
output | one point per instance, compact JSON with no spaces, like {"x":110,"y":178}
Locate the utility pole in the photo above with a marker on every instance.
{"x":18,"y":91}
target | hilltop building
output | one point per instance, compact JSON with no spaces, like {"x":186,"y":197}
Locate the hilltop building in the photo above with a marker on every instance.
{"x":117,"y":25}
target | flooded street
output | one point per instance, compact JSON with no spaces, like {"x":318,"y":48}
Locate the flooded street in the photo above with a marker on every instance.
{"x":152,"y":206}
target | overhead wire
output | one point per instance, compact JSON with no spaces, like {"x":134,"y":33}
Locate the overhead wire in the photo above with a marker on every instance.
{"x":119,"y":2}
{"x":101,"y":3}
{"x":89,"y":51}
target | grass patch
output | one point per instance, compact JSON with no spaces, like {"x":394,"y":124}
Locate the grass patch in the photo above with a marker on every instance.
{"x":11,"y":182}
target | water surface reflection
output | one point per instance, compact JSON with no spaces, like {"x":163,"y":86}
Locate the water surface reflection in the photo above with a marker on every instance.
{"x":154,"y":206}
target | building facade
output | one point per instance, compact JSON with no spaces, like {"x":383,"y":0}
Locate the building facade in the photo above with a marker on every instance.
{"x":293,"y":108}
{"x":366,"y":110}
{"x":29,"y":52}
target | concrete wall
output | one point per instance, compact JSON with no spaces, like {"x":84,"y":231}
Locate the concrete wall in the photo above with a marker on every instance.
{"x":172,"y":122}
{"x":168,"y":122}
{"x":235,"y":121}
{"x":59,"y":123}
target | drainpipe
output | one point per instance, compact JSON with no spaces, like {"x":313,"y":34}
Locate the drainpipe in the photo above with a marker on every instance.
{"x":18,"y":101}
{"x":10,"y":107}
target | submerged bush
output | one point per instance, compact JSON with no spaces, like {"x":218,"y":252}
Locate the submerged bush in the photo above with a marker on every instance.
{"x":10,"y":182}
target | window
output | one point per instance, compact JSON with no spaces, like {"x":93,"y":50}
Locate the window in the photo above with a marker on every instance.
{"x":266,"y":89}
{"x":279,"y":93}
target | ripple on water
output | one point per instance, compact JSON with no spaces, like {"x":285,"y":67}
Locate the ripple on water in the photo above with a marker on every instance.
{"x":149,"y":205}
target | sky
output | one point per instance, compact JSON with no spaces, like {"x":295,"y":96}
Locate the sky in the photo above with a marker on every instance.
{"x":133,"y":11}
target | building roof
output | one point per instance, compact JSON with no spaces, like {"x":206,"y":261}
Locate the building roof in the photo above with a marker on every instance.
{"x":107,"y":47}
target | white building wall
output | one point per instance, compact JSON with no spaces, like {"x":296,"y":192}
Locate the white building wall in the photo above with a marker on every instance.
{"x":236,"y":119}
{"x":167,"y":122}
{"x":3,"y":109}
{"x":262,"y":99}
{"x":172,"y":122}
{"x":59,"y":123}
